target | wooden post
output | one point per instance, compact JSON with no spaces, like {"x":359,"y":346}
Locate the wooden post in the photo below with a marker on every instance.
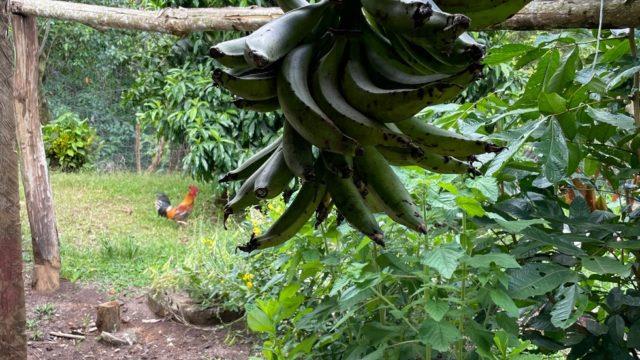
{"x":13,"y":340}
{"x":138,"y":147}
{"x":35,"y":176}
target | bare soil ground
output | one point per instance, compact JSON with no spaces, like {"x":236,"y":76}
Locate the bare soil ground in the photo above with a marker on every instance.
{"x":72,"y":309}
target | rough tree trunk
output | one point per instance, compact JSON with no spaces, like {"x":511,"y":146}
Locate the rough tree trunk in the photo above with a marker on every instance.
{"x":137,"y":147}
{"x":35,"y":177}
{"x":157,"y":159}
{"x":538,"y":15}
{"x":13,"y":341}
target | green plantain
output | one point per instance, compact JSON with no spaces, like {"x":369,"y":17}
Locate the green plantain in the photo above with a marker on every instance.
{"x":387,"y":105}
{"x":276,"y":39}
{"x":351,"y":205}
{"x":326,"y":91}
{"x":263,"y":106}
{"x":252,"y":86}
{"x":252,"y":164}
{"x":298,"y":154}
{"x":274,"y":177}
{"x":439,"y":141}
{"x":428,"y":161}
{"x":292,"y":220}
{"x":301,"y":110}
{"x":230,"y":53}
{"x":385,"y":184}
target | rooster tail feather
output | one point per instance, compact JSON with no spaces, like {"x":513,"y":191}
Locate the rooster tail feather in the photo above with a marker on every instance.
{"x":162,"y":204}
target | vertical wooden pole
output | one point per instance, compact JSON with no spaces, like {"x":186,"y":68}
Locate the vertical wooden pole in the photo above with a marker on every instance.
{"x":13,"y":341}
{"x":138,"y":147}
{"x":35,"y":176}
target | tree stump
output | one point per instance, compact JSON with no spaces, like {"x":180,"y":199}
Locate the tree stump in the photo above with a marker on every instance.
{"x":108,"y":317}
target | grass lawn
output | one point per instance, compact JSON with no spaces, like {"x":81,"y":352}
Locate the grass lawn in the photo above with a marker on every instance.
{"x":109,"y":230}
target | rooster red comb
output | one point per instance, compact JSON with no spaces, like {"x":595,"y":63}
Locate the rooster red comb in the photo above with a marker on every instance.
{"x":193,"y":190}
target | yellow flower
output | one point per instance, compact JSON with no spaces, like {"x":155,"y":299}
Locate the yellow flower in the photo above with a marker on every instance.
{"x":249,"y":284}
{"x":256,"y":230}
{"x":247,"y":277}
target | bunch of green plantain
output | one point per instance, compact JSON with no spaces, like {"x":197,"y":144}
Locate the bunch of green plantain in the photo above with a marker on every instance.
{"x":351,"y":77}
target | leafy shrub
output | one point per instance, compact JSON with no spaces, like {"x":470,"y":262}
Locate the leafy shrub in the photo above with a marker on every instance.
{"x":69,"y":141}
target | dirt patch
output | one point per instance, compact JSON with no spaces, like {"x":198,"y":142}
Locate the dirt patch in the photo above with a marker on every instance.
{"x":72,"y":310}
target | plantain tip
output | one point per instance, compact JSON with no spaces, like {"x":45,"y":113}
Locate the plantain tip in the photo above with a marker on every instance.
{"x":493,"y":148}
{"x":422,"y":229}
{"x":227,"y":212}
{"x":215,"y":53}
{"x":251,"y":246}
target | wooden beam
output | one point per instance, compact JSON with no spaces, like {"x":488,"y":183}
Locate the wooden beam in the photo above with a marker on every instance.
{"x":35,"y":176}
{"x":176,"y":21}
{"x":538,"y":15}
{"x":13,"y":339}
{"x":569,"y":14}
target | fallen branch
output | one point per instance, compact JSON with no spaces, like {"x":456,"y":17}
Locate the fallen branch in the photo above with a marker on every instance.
{"x":67,"y":336}
{"x":538,"y":15}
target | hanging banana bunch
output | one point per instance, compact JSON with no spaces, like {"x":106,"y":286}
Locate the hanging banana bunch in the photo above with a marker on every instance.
{"x":350,"y":76}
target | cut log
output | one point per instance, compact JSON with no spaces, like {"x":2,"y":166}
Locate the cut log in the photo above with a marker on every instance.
{"x":35,"y":176}
{"x":538,"y":15}
{"x":13,"y":339}
{"x":108,"y":317}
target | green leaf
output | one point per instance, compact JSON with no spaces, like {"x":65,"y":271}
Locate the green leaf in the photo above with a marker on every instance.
{"x":470,"y":205}
{"x":618,"y":120}
{"x":622,"y":77}
{"x":501,"y":260}
{"x":258,"y":321}
{"x":487,"y":186}
{"x":605,"y":265}
{"x":556,"y":153}
{"x":438,"y":335}
{"x":500,"y":161}
{"x":552,"y":239}
{"x":502,"y":299}
{"x":506,"y":53}
{"x":566,"y":72}
{"x":563,"y":308}
{"x":619,"y":50}
{"x":443,"y":259}
{"x":535,"y":279}
{"x":437,"y":309}
{"x":515,"y":226}
{"x":552,"y":103}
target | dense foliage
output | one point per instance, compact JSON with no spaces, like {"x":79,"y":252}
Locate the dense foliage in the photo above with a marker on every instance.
{"x":539,"y":256}
{"x":536,"y":257}
{"x":69,"y":141}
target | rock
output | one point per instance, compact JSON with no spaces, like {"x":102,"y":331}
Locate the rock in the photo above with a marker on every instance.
{"x":118,"y":339}
{"x":181,"y":306}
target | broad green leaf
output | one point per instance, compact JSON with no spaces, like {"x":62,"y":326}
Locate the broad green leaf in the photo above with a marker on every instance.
{"x":556,"y":153}
{"x":622,"y":121}
{"x":622,"y":77}
{"x":502,"y":299}
{"x":437,"y":309}
{"x":438,"y":335}
{"x":552,"y":239}
{"x":565,"y":73}
{"x":620,"y":49}
{"x":443,"y":259}
{"x":566,"y":299}
{"x":552,"y":103}
{"x":470,"y":205}
{"x":487,"y":186}
{"x":500,"y":161}
{"x":605,"y":265}
{"x":506,"y":53}
{"x":535,"y":279}
{"x":501,"y":260}
{"x":515,"y":226}
{"x":258,"y":321}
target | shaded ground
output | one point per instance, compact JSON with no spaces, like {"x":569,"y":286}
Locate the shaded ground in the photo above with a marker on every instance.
{"x":72,"y":308}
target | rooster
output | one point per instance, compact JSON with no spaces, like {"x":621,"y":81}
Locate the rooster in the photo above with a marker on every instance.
{"x":176,"y":213}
